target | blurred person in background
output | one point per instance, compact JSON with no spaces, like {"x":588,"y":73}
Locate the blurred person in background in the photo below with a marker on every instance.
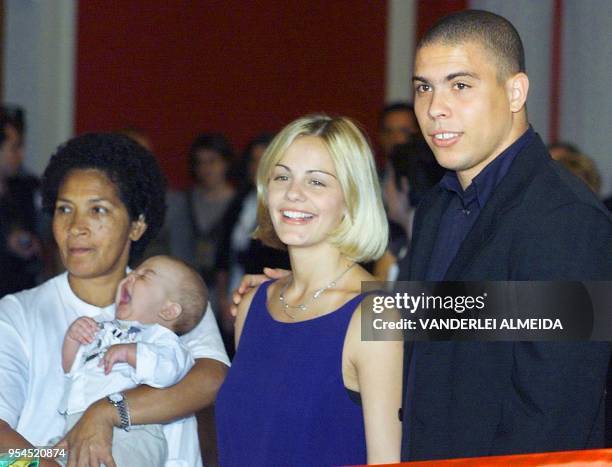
{"x":409,"y":170}
{"x":194,"y":216}
{"x":413,"y":170}
{"x":583,"y":167}
{"x":397,"y":124}
{"x":560,"y":149}
{"x":210,"y":158}
{"x":20,"y":220}
{"x":238,"y":252}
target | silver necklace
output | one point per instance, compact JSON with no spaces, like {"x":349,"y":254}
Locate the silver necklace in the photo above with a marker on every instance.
{"x":317,"y":293}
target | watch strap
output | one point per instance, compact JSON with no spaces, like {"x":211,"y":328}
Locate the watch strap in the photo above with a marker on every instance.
{"x":123,"y":410}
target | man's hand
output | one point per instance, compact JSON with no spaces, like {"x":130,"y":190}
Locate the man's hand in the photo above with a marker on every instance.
{"x":83,"y":330}
{"x":250,"y":281}
{"x":90,"y":441}
{"x":119,"y":353}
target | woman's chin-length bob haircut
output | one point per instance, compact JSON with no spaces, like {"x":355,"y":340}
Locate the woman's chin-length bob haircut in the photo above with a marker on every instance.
{"x":363,"y":233}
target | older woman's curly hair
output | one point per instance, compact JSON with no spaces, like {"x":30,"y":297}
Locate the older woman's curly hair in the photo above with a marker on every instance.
{"x":133,"y":170}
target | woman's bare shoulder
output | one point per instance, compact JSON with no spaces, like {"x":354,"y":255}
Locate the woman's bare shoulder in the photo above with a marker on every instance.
{"x":243,"y":310}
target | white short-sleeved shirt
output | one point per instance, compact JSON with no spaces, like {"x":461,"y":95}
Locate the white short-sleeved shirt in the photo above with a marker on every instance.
{"x":32,"y":328}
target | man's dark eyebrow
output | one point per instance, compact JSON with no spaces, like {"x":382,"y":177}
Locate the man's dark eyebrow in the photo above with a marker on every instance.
{"x":450,"y":77}
{"x":459,"y":74}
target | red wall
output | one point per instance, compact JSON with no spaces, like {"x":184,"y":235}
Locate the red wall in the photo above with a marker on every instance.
{"x":428,"y":12}
{"x":176,"y":68}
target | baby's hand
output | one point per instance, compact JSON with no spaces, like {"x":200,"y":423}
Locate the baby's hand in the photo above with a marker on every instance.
{"x":83,"y":330}
{"x":119,"y":353}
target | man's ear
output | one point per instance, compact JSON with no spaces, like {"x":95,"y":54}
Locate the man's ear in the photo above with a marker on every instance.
{"x":171,"y":311}
{"x":139,"y":226}
{"x":518,"y":87}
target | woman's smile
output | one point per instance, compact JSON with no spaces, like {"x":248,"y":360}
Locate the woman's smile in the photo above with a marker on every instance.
{"x":305,"y":199}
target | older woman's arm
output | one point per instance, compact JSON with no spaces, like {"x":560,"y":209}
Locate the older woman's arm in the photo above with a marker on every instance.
{"x":90,"y":440}
{"x":9,"y":437}
{"x":197,"y":390}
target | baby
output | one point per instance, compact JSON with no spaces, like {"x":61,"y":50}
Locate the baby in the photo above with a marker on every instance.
{"x":157,"y":302}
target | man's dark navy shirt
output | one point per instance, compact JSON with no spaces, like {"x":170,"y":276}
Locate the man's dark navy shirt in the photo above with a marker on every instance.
{"x":465,"y":206}
{"x":459,"y":218}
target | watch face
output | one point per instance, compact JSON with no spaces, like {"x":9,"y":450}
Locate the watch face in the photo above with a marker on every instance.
{"x":116,"y":397}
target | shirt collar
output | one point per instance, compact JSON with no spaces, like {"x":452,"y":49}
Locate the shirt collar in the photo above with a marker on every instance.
{"x":485,"y":182}
{"x":80,"y":307}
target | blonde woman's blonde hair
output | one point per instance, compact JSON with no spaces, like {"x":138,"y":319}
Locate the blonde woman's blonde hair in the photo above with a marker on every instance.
{"x":362,"y":235}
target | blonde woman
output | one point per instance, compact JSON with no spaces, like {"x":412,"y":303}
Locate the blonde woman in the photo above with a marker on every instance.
{"x":304,"y":389}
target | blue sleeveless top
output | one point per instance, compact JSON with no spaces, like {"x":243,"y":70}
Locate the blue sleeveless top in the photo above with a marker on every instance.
{"x":283,"y":402}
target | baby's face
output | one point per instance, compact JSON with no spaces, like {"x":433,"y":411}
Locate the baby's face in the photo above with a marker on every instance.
{"x":144,"y":292}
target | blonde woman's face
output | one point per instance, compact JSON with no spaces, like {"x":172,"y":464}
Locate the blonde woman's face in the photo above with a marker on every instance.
{"x":305,"y":199}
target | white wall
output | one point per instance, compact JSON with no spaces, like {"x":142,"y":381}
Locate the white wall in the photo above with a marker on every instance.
{"x":401,"y":32}
{"x":586,"y":105}
{"x":533,"y":21}
{"x":39,"y":52}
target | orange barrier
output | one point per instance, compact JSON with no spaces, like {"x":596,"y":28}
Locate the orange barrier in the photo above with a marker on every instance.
{"x":589,"y":458}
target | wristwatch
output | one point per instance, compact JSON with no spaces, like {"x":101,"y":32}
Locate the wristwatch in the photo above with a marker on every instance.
{"x":118,"y":400}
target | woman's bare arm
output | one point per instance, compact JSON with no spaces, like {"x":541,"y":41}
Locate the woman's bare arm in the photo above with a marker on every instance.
{"x":378,"y":366}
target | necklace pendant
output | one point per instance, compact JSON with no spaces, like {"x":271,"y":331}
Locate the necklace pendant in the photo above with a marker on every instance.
{"x":315,"y":295}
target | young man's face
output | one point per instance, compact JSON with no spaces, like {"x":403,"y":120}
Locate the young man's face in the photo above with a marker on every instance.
{"x":462,"y":108}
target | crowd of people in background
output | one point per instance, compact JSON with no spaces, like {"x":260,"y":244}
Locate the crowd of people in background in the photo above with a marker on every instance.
{"x":210,"y":224}
{"x":311,"y":203}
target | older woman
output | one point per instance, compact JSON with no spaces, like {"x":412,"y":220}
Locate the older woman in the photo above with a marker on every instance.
{"x":106,"y":194}
{"x":304,"y":388}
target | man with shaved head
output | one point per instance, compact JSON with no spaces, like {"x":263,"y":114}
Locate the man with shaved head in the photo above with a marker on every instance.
{"x":504,"y":211}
